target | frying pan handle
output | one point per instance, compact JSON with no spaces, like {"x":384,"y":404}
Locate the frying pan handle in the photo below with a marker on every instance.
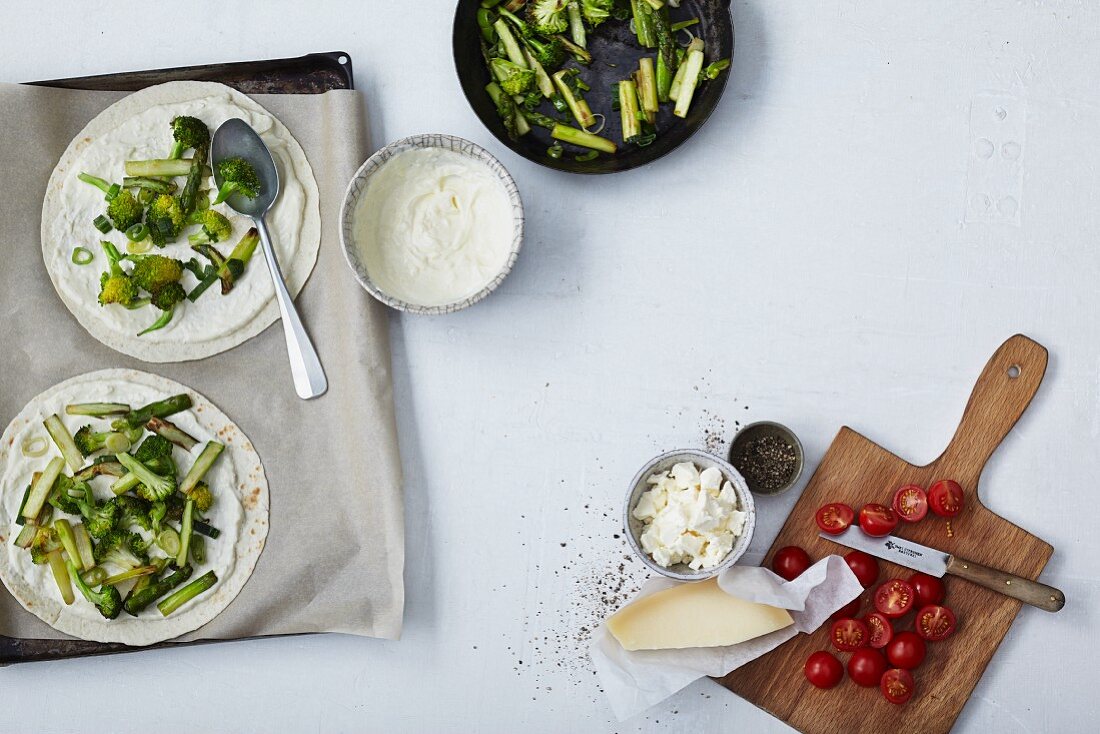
{"x":1003,"y":392}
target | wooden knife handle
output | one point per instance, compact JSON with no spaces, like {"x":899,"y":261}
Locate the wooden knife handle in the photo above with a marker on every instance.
{"x":1030,"y":592}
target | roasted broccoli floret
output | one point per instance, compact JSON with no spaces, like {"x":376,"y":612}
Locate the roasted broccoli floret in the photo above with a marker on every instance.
{"x":202,"y":496}
{"x":238,"y":176}
{"x":115,"y":285}
{"x":99,"y":519}
{"x":215,"y":227}
{"x":596,"y":11}
{"x":107,"y":600}
{"x":153,"y":486}
{"x":188,"y":132}
{"x":124,"y":210}
{"x":153,"y":447}
{"x":157,"y":512}
{"x":551,"y":54}
{"x":122,"y":548}
{"x":166,"y":297}
{"x":133,"y":511}
{"x":548,"y":16}
{"x":67,"y":495}
{"x":153,"y":272}
{"x":45,"y":541}
{"x":165,"y":219}
{"x":513,"y":79}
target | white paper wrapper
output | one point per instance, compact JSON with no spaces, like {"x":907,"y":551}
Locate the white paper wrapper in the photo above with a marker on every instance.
{"x":634,"y":681}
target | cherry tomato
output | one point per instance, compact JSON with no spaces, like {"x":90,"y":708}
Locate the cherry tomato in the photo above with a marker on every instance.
{"x":835,"y":517}
{"x":945,"y":497}
{"x":929,"y":589}
{"x":849,"y":634}
{"x":911,"y":503}
{"x":894,"y":598}
{"x":897,"y":685}
{"x":866,"y":667}
{"x":906,"y":650}
{"x":790,"y":562}
{"x":881,"y":629}
{"x":823,"y":669}
{"x":864,"y":566}
{"x":851,"y":609}
{"x":934,"y":623}
{"x":877,"y":520}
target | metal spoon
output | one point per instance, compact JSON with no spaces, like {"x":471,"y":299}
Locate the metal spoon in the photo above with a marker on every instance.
{"x":235,"y":138}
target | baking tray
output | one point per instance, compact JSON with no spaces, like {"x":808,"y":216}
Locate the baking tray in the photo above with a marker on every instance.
{"x":309,"y":74}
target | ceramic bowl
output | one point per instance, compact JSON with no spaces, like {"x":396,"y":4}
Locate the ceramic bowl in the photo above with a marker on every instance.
{"x":702,"y":460}
{"x":359,"y":185}
{"x":762,"y":429}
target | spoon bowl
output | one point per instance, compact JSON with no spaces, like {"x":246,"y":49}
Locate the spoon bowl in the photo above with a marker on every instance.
{"x":236,"y":139}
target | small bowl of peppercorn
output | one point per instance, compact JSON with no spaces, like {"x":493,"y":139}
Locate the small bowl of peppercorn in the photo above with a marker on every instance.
{"x":769,"y":456}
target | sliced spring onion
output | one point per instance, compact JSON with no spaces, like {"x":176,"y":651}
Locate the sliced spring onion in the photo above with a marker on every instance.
{"x":103,"y":224}
{"x":84,"y":547}
{"x":602,"y":120}
{"x":590,"y":155}
{"x":61,"y":575}
{"x":94,"y":576}
{"x":180,"y":597}
{"x":117,"y":443}
{"x":138,"y":232}
{"x":198,"y":548}
{"x":35,"y":446}
{"x":168,"y":540}
{"x":82,"y":256}
{"x":139,"y":247}
{"x":113,"y":192}
{"x":555,"y":151}
{"x":40,"y":489}
{"x":64,"y":440}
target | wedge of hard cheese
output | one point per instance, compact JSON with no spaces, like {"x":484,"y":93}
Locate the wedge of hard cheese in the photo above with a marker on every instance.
{"x":693,"y":615}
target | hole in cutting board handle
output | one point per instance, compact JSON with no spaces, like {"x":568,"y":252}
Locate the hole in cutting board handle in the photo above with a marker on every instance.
{"x":1014,"y":372}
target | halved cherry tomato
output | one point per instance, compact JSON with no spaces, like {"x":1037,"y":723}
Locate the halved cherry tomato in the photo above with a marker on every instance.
{"x":929,"y":589}
{"x":835,"y":517}
{"x":934,"y":623}
{"x":897,"y":685}
{"x":851,"y":609}
{"x":823,"y":669}
{"x":864,"y":566}
{"x":945,"y":497}
{"x":911,"y":503}
{"x":894,"y":598}
{"x":866,"y":667}
{"x":790,"y":562}
{"x":881,"y":629}
{"x":849,"y":634}
{"x":877,"y":520}
{"x":906,"y":650}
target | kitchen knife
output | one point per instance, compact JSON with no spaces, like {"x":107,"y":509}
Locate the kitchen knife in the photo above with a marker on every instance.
{"x":936,"y":563}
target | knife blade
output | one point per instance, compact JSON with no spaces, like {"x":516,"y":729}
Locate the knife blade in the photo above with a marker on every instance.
{"x":896,"y":550}
{"x":937,"y":563}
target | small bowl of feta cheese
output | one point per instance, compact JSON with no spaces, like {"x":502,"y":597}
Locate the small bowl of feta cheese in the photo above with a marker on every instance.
{"x":689,"y":515}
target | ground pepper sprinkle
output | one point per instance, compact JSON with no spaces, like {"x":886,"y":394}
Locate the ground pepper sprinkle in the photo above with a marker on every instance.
{"x":767,"y":463}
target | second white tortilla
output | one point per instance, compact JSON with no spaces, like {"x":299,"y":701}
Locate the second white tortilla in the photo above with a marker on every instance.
{"x":135,"y":128}
{"x":240,"y":509}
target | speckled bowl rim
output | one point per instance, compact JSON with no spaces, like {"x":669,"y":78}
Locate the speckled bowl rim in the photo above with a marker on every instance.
{"x":744,"y":499}
{"x":358,"y":185}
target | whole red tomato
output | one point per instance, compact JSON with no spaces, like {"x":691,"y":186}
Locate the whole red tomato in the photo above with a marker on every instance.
{"x":864,"y":566}
{"x":790,"y":562}
{"x":866,"y":667}
{"x":877,"y":520}
{"x":929,"y":589}
{"x":823,"y":669}
{"x":906,"y":650}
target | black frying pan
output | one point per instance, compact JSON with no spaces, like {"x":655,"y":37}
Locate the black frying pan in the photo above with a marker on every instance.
{"x":610,"y":43}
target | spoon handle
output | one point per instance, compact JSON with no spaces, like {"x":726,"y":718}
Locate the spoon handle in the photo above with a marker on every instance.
{"x":305,"y":366}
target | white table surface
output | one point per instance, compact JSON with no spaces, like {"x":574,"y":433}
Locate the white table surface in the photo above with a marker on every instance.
{"x":809,"y":258}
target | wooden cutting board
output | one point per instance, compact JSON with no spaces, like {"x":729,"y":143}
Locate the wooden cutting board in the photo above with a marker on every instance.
{"x":857,"y":471}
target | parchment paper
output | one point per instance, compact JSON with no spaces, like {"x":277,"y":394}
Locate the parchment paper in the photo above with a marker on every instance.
{"x":335,"y":551}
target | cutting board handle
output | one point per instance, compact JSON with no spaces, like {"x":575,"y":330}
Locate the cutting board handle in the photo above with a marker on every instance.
{"x":1003,"y":392}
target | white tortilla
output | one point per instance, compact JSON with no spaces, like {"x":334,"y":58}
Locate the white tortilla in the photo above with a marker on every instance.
{"x":137,"y":128}
{"x":240,"y":509}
